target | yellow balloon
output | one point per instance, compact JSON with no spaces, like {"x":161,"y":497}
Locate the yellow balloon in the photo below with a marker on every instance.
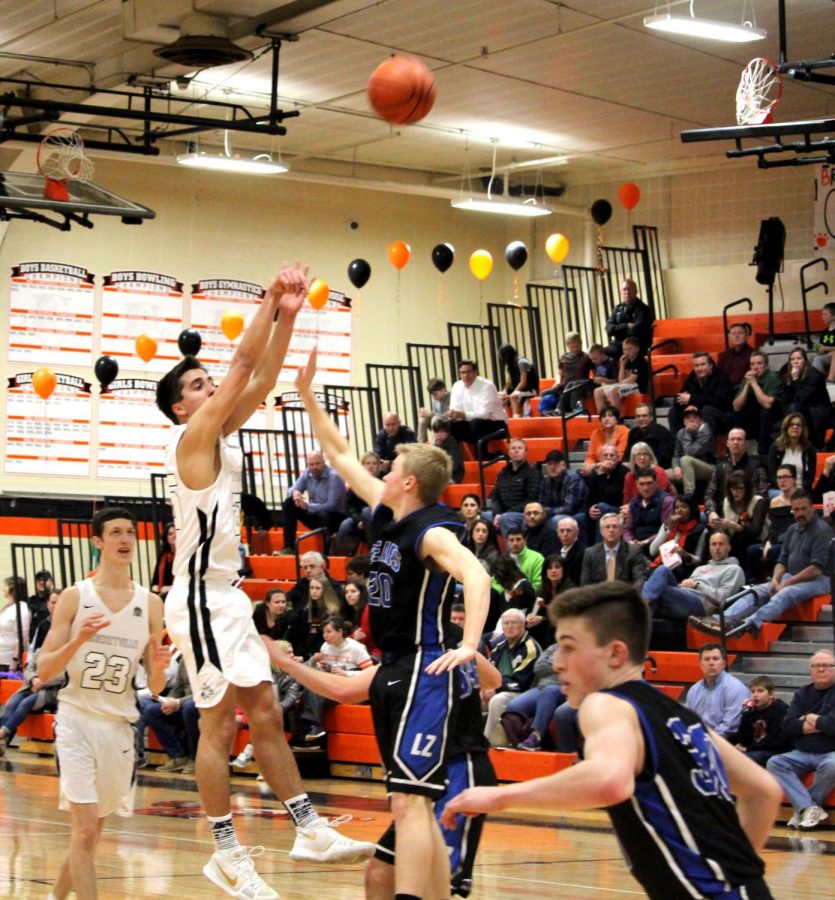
{"x":232,"y":323}
{"x":557,"y":247}
{"x":318,"y":294}
{"x":481,"y":264}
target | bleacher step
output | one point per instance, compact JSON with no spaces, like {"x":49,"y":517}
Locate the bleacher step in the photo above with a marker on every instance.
{"x":782,"y":664}
{"x":818,"y":634}
{"x":800,"y":648}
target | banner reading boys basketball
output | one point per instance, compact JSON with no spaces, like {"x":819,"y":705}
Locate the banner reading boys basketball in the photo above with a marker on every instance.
{"x":51,"y":314}
{"x":133,"y":433}
{"x":210,"y":299}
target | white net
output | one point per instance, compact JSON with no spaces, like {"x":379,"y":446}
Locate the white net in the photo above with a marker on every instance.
{"x":61,"y":157}
{"x":759,"y":91}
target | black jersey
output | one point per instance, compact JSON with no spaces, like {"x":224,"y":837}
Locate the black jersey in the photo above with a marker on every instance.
{"x":408,"y":602}
{"x":679,"y":831}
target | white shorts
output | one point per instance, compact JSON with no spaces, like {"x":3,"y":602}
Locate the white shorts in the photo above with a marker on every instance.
{"x":96,"y":759}
{"x":216,"y":635}
{"x":624,"y":390}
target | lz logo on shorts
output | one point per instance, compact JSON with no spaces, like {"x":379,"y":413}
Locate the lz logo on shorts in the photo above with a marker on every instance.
{"x":423,"y":744}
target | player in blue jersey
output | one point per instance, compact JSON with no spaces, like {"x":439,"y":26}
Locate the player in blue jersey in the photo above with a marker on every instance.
{"x":667,"y":781}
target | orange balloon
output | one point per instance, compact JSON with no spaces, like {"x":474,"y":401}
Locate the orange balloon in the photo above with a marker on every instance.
{"x":44,"y":381}
{"x":557,"y":248}
{"x":318,"y":294}
{"x":232,"y":323}
{"x":481,"y":264}
{"x":629,"y":194}
{"x":146,"y":347}
{"x":399,"y":254}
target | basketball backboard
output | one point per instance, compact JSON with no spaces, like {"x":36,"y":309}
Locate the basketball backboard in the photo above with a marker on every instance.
{"x":22,"y":197}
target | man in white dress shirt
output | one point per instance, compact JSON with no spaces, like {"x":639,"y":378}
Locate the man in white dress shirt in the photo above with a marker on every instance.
{"x":475,"y":408}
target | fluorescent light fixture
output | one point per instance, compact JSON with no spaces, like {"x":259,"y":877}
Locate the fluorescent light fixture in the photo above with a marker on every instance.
{"x":259,"y":165}
{"x":526,"y":208}
{"x":710,"y":29}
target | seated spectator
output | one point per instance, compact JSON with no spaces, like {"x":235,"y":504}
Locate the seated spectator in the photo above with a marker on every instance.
{"x":760,"y":559}
{"x":685,"y":528}
{"x":607,"y":484}
{"x":707,"y":588}
{"x":554,"y":581}
{"x":642,"y":457}
{"x":511,"y":589}
{"x":735,"y":361}
{"x":443,"y":438}
{"x":438,"y":406}
{"x":647,"y":431}
{"x":483,"y":542}
{"x":354,"y":527}
{"x":475,"y":408}
{"x":760,"y":727}
{"x":736,"y":459}
{"x":271,"y":616}
{"x":14,"y":607}
{"x":809,"y":728}
{"x":743,"y":514}
{"x":824,"y":358}
{"x":647,"y":512}
{"x":792,"y":445}
{"x":575,"y":369}
{"x":708,"y":389}
{"x":516,"y":484}
{"x":572,"y":547}
{"x":39,"y":631}
{"x":392,"y":433}
{"x":357,"y":569}
{"x":799,"y":575}
{"x":629,"y":318}
{"x":613,"y":559}
{"x":469,"y":512}
{"x":358,"y":612}
{"x":324,"y":505}
{"x":528,"y":560}
{"x":44,"y":586}
{"x":632,"y":378}
{"x":305,"y":633}
{"x":693,"y":458}
{"x":562,"y":491}
{"x":172,"y":716}
{"x":759,"y":401}
{"x":610,"y":431}
{"x":312,"y":565}
{"x":540,"y":533}
{"x":604,"y":371}
{"x":717,"y":699}
{"x":163,"y":577}
{"x":521,"y":380}
{"x":804,"y":392}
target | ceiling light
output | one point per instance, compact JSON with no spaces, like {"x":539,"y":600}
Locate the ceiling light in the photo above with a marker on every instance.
{"x":691,"y":26}
{"x":527,"y":208}
{"x":259,"y":165}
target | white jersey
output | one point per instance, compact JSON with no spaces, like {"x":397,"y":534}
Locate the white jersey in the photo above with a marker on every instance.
{"x":100,"y":675}
{"x":208,"y":521}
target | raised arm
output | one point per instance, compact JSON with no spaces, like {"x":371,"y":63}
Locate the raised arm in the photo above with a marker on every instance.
{"x":58,"y":649}
{"x":333,"y":444}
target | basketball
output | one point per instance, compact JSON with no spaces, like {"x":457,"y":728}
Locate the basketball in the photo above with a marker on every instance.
{"x":401,"y":90}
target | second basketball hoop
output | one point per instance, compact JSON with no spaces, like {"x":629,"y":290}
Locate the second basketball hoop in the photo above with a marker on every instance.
{"x":61,"y":158}
{"x":759,"y":92}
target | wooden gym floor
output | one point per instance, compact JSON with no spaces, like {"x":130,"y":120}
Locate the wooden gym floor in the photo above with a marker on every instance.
{"x":160,"y":852}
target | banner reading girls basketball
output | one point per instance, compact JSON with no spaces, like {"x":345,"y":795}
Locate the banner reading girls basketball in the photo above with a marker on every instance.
{"x":51,"y":314}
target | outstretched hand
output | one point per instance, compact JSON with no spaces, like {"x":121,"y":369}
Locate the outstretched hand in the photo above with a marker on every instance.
{"x":450,"y":660}
{"x":471,"y":802}
{"x":305,"y":375}
{"x":291,"y":285}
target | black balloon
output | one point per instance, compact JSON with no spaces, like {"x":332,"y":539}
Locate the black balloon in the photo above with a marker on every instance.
{"x":106,"y":370}
{"x":443,"y":256}
{"x":516,"y":254}
{"x":189,"y":342}
{"x":601,"y":211}
{"x":359,"y":272}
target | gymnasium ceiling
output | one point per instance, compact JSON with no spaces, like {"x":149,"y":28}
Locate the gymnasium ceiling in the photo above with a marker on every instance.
{"x":580,"y":81}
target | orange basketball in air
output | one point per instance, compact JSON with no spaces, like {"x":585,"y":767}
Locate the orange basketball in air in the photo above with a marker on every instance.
{"x":401,"y":90}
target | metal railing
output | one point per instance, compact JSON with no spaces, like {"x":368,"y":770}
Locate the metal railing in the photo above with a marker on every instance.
{"x":482,"y":448}
{"x":730,"y":306}
{"x":805,"y":290}
{"x":645,"y":238}
{"x":478,"y":342}
{"x":399,"y":389}
{"x":433,"y":361}
{"x":74,"y":537}
{"x":519,"y":326}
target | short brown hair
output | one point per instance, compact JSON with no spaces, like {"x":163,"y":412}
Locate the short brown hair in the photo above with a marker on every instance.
{"x":431,"y":466}
{"x":170,"y":388}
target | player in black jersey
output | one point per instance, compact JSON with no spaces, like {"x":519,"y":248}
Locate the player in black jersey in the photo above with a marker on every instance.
{"x":416,"y":558}
{"x":666,"y":780}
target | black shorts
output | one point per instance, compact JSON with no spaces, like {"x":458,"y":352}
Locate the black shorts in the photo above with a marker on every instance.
{"x":414,"y":714}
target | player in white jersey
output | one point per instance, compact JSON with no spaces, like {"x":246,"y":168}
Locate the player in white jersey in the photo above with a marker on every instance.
{"x":208,"y":619}
{"x":100,"y":629}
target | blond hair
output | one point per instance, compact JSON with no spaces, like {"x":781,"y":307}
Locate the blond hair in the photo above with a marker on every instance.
{"x":431,"y":467}
{"x":328,"y":605}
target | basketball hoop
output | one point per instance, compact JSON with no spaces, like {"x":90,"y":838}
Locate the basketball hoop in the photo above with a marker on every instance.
{"x":759,"y":92}
{"x":60,"y":158}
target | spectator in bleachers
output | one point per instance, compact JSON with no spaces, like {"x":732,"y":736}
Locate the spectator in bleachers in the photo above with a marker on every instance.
{"x":809,"y":728}
{"x":805,"y":392}
{"x":792,"y":445}
{"x":554,"y":581}
{"x":735,"y":361}
{"x":173,"y":717}
{"x":647,"y":431}
{"x":562,"y":491}
{"x":271,"y":616}
{"x":693,"y":457}
{"x":438,"y":406}
{"x":392,"y":433}
{"x":475,"y":408}
{"x":613,"y":559}
{"x":759,"y":401}
{"x":708,"y":389}
{"x":632,"y":378}
{"x":442,"y":437}
{"x":610,"y":431}
{"x":604,"y":371}
{"x":736,"y":459}
{"x":761,"y":558}
{"x":799,"y":575}
{"x":685,"y":528}
{"x":483,"y":542}
{"x":14,"y":605}
{"x":521,"y":380}
{"x":718,"y":697}
{"x":575,"y":369}
{"x":517,"y":484}
{"x":358,"y":612}
{"x":357,"y":568}
{"x":607,"y":486}
{"x":305,"y":633}
{"x":709,"y":585}
{"x":629,"y":318}
{"x":528,"y":560}
{"x":760,"y":728}
{"x":312,"y":565}
{"x":469,"y":512}
{"x":44,"y":586}
{"x":324,"y":505}
{"x":354,"y":527}
{"x":743,"y":515}
{"x":824,"y":358}
{"x":163,"y":577}
{"x":540,"y":532}
{"x":647,"y":512}
{"x":538,"y":704}
{"x":572,"y":547}
{"x":642,"y":457}
{"x":511,"y":589}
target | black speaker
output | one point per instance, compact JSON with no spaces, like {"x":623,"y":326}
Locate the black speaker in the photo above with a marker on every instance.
{"x":768,"y":254}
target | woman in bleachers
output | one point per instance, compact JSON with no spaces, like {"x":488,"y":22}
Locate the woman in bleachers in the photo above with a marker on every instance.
{"x":610,"y":431}
{"x":760,"y":558}
{"x":483,"y":541}
{"x":164,"y":568}
{"x":553,"y":583}
{"x":804,"y":392}
{"x":270,"y":615}
{"x":305,"y":633}
{"x":793,"y":446}
{"x":521,"y":380}
{"x":743,"y":514}
{"x":685,"y":528}
{"x":14,"y":604}
{"x":469,"y":513}
{"x":643,"y":457}
{"x":515,"y":590}
{"x":358,"y":613}
{"x":354,"y":526}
